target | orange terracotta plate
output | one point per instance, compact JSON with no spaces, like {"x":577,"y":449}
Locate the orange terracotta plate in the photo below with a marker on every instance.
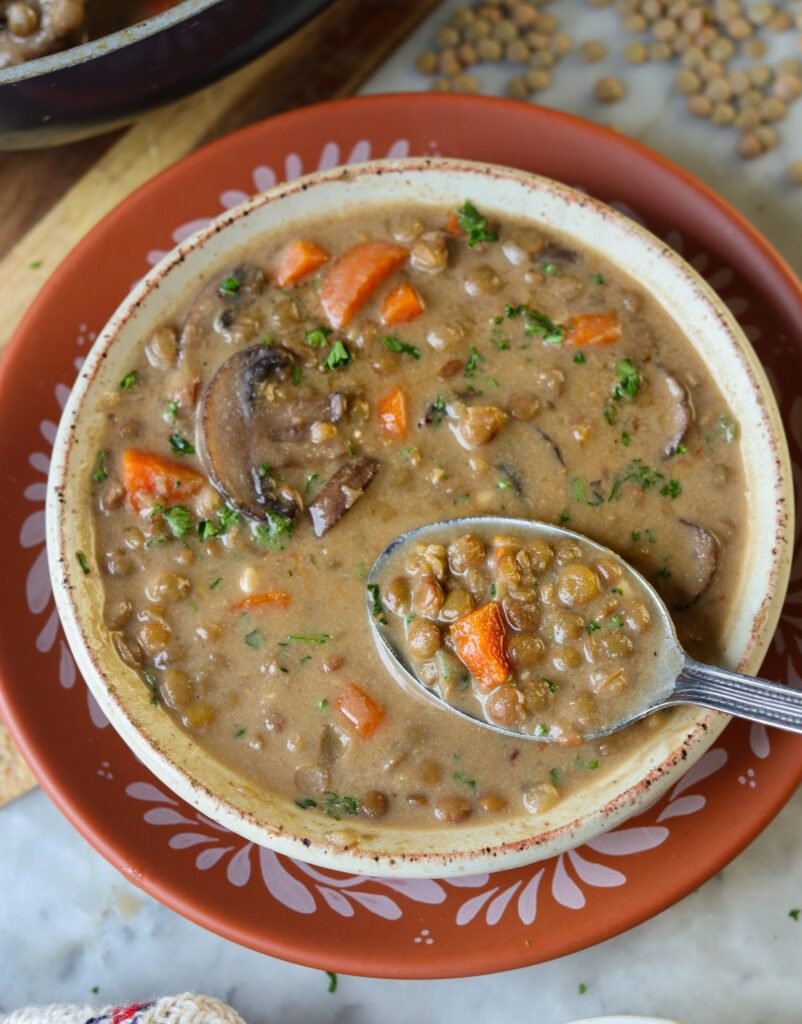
{"x":359,"y":925}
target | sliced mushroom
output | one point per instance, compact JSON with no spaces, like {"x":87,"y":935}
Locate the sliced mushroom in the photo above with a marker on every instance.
{"x":513,"y":476}
{"x":554,"y":253}
{"x":341,"y":492}
{"x":680,"y":412}
{"x":222,"y":306}
{"x":246,"y":421}
{"x":686,"y":585}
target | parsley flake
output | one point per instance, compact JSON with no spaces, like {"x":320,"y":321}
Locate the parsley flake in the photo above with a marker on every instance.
{"x":99,"y":473}
{"x":129,"y":380}
{"x":255,"y":638}
{"x":339,"y":357}
{"x":318,"y":337}
{"x":332,"y":981}
{"x":475,"y":225}
{"x":465,"y":779}
{"x":395,"y":344}
{"x":270,"y":533}
{"x":83,"y":561}
{"x":180,"y":445}
{"x":230,"y":286}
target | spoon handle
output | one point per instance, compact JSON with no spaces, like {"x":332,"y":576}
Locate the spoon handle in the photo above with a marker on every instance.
{"x":736,"y":694}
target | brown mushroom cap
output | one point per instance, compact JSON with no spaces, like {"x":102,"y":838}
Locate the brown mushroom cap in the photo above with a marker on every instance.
{"x":679,"y":410}
{"x":247,"y":420}
{"x":692,"y":572}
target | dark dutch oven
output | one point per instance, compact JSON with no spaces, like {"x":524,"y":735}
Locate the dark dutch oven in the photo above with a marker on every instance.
{"x":107,"y":82}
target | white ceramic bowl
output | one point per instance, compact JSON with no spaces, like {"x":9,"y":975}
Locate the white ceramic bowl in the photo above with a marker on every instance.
{"x":276,"y":822}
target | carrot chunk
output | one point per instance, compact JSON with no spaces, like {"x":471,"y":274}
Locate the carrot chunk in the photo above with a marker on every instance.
{"x":276,"y":598}
{"x":402,"y":304}
{"x":355,"y":277}
{"x":452,"y":223}
{"x":149,"y":479}
{"x":360,"y":710}
{"x":479,"y":642}
{"x":297,"y":260}
{"x":392,"y":412}
{"x":591,"y":330}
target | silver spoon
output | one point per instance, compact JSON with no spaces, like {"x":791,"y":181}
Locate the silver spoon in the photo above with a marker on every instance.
{"x":676,"y":678}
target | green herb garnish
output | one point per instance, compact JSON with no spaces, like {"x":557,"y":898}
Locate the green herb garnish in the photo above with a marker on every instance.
{"x":615,"y":622}
{"x":728,"y":429}
{"x":172,"y":409}
{"x":310,"y":480}
{"x":180,"y":445}
{"x":376,"y":606}
{"x":795,"y":913}
{"x":318,"y":337}
{"x":628,"y":381}
{"x":230,"y":286}
{"x":99,"y":473}
{"x":550,"y":269}
{"x":554,"y":775}
{"x":306,"y":803}
{"x":587,"y":765}
{"x":215,"y":583}
{"x":255,"y":638}
{"x":537,"y":323}
{"x":129,"y":380}
{"x":578,"y":488}
{"x":309,"y":638}
{"x":474,"y":359}
{"x":153,"y":686}
{"x":582,"y":988}
{"x":339,"y":357}
{"x":579,"y":358}
{"x":465,"y":779}
{"x":239,"y":732}
{"x":83,"y":561}
{"x":295,"y":375}
{"x":334,"y":805}
{"x":395,"y":344}
{"x":672,"y":489}
{"x":332,"y":981}
{"x":592,"y":626}
{"x":564,"y":517}
{"x":270,"y":533}
{"x":474,"y":225}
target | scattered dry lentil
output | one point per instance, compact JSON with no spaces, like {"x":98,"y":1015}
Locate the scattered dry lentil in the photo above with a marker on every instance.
{"x":794,"y":172}
{"x":609,"y":89}
{"x":592,"y":51}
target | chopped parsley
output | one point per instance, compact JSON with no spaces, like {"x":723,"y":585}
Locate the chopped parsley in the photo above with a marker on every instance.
{"x":255,"y":638}
{"x":582,"y":988}
{"x":83,"y":561}
{"x":226,"y":516}
{"x":618,"y":590}
{"x":322,"y":704}
{"x":230,"y":286}
{"x":579,"y":358}
{"x":564,"y":517}
{"x":332,"y":981}
{"x":376,"y":606}
{"x":215,"y":583}
{"x":436,"y":412}
{"x":318,"y":337}
{"x":625,"y":439}
{"x":153,"y":686}
{"x":99,"y":473}
{"x":395,"y":344}
{"x":504,"y":485}
{"x":295,"y":375}
{"x":180,"y":445}
{"x":310,"y":480}
{"x":35,"y":265}
{"x":474,"y":359}
{"x":129,"y":380}
{"x":172,"y":409}
{"x":309,"y":638}
{"x":306,"y":803}
{"x":645,"y":477}
{"x":795,"y":913}
{"x":592,"y":626}
{"x":587,"y":765}
{"x":550,"y":269}
{"x":475,"y":225}
{"x":537,"y":323}
{"x":610,"y":413}
{"x":339,"y":357}
{"x":239,"y":732}
{"x":629,"y":381}
{"x":596,"y":278}
{"x":270,"y":533}
{"x":178,"y":518}
{"x":578,"y":488}
{"x":542,"y":730}
{"x":335,"y":806}
{"x":465,"y":779}
{"x":615,"y":622}
{"x":664,"y":572}
{"x":554,"y":775}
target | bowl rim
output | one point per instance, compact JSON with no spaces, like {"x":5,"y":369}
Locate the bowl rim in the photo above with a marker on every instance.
{"x":100,"y":47}
{"x":707,"y":726}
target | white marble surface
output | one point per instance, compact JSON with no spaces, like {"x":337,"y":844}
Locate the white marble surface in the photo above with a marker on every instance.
{"x":729,"y":952}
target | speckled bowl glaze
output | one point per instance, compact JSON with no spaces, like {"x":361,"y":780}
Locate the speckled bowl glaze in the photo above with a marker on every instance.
{"x":276,"y":822}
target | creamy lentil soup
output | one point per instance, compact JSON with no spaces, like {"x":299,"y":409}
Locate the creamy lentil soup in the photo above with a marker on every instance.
{"x":343,"y":382}
{"x":546,"y":637}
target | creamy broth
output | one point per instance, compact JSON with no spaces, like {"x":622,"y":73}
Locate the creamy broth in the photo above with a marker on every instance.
{"x":316,"y":400}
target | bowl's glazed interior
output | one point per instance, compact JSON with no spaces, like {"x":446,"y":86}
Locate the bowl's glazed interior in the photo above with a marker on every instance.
{"x":272,"y":821}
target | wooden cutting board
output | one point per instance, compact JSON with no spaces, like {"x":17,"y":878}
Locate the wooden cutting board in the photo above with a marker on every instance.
{"x":52,"y":198}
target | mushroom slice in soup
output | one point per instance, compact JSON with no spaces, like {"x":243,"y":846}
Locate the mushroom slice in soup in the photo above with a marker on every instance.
{"x":679,"y":411}
{"x":341,"y":492}
{"x":248,"y":426}
{"x":220,"y":305}
{"x":683,"y":589}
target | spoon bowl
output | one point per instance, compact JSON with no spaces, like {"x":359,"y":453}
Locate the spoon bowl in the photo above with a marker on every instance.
{"x":671,"y":677}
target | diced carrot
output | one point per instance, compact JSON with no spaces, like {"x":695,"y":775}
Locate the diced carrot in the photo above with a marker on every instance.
{"x":149,"y":479}
{"x":355,"y":277}
{"x":359,"y":709}
{"x":392,"y":411}
{"x":277,"y":598}
{"x":479,"y":642}
{"x":591,"y":330}
{"x":402,"y":304}
{"x":298,"y":259}
{"x":452,"y":224}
